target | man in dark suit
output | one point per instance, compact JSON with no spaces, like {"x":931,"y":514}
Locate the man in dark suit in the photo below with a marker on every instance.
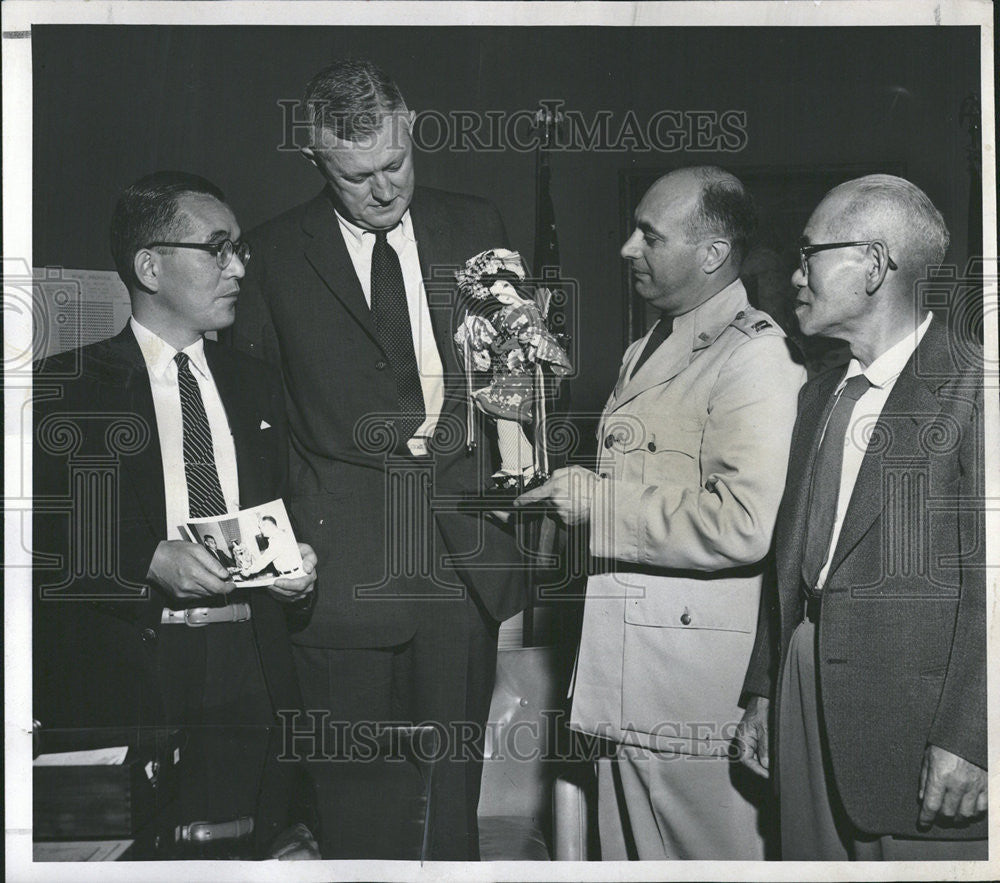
{"x":132,"y":624}
{"x":351,"y":295}
{"x":213,"y":547}
{"x":881,"y":598}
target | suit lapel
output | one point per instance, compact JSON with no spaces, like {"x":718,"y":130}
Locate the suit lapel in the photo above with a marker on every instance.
{"x":669,"y":359}
{"x":145,"y":468}
{"x":327,"y":254}
{"x":791,"y":531}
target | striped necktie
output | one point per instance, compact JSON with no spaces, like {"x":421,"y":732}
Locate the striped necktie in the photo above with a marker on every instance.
{"x":204,"y":490}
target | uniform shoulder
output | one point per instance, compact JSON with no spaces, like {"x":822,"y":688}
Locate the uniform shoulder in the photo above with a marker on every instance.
{"x":756,"y":323}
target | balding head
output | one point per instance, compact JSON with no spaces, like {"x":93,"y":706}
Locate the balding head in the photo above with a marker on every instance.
{"x":691,"y":232}
{"x":895,"y":211}
{"x":724,"y":208}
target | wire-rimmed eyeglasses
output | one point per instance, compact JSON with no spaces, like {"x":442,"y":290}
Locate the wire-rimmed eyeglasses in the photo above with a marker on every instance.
{"x":808,"y":249}
{"x":222,"y":251}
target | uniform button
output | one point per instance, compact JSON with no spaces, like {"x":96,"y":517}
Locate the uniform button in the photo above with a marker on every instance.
{"x":604,"y":475}
{"x":651,"y":446}
{"x":685,"y":618}
{"x":609,"y":441}
{"x":380,"y":365}
{"x":148,"y":635}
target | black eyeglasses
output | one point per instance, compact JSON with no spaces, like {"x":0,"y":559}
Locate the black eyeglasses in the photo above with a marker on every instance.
{"x":222,"y":251}
{"x":808,"y":249}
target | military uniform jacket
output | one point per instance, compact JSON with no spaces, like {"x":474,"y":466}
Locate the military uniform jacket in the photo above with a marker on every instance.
{"x":693,"y":451}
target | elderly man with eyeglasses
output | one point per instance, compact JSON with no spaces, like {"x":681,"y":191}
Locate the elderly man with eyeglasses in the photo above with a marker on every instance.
{"x":134,"y":624}
{"x":880,"y":621}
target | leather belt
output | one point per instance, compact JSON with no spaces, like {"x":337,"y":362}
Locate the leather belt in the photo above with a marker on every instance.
{"x":199,"y":616}
{"x":812,"y":608}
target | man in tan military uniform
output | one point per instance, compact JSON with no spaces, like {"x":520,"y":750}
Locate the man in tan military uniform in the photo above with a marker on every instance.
{"x":693,"y":448}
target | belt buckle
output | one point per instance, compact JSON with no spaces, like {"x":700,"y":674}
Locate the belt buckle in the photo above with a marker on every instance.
{"x":191,"y":612}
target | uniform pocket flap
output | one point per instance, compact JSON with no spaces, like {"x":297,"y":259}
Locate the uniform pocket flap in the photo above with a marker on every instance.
{"x":651,"y":432}
{"x":693,"y":604}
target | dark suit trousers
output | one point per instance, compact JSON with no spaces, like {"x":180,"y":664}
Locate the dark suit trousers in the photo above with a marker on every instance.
{"x":212,"y":675}
{"x":444,"y":676}
{"x":814,"y":825}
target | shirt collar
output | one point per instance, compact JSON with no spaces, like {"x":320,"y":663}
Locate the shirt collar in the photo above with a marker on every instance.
{"x":709,"y":319}
{"x":159,"y":355}
{"x":887,"y":367}
{"x":354,"y":235}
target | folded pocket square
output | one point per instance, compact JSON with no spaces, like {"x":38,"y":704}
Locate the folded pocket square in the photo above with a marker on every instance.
{"x":264,"y":424}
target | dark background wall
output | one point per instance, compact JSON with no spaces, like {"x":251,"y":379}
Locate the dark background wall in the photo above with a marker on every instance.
{"x":112,"y":103}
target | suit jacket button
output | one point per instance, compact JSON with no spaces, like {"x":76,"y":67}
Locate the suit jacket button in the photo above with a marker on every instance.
{"x":148,"y":636}
{"x":609,"y":441}
{"x":380,"y":365}
{"x":685,"y":618}
{"x":604,"y":475}
{"x":651,"y":446}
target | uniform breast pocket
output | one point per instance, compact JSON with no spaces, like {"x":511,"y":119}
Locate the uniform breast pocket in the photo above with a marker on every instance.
{"x":664,"y":449}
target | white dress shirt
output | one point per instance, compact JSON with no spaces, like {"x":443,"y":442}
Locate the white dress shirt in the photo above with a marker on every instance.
{"x":159,"y":358}
{"x":882,"y":375}
{"x":360,"y":244}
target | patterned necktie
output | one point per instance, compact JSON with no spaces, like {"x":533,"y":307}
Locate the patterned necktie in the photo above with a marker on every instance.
{"x":660,"y":333}
{"x":392,"y":321}
{"x":825,"y":488}
{"x":204,"y":490}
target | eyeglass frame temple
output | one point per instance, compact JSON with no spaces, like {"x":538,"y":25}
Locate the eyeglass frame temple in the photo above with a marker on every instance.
{"x":213,"y":248}
{"x":829,"y":246}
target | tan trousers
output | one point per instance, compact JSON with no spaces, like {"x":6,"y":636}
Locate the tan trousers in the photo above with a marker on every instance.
{"x":655,"y":806}
{"x":813,"y":826}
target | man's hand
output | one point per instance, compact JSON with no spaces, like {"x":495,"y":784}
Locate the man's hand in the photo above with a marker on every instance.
{"x":751,"y":736}
{"x":951,"y":788}
{"x":287,"y":589}
{"x":188,"y":570}
{"x":569,"y":493}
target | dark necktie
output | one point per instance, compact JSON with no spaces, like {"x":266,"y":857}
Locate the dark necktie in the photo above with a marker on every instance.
{"x":392,"y":321}
{"x":204,"y":491}
{"x":825,"y":487}
{"x":661,"y":332}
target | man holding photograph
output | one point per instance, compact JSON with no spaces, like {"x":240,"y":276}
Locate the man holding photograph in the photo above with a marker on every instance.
{"x":198,"y":431}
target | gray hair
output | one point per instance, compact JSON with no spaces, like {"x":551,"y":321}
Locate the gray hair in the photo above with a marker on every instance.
{"x":350,"y":98}
{"x":900,"y":213}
